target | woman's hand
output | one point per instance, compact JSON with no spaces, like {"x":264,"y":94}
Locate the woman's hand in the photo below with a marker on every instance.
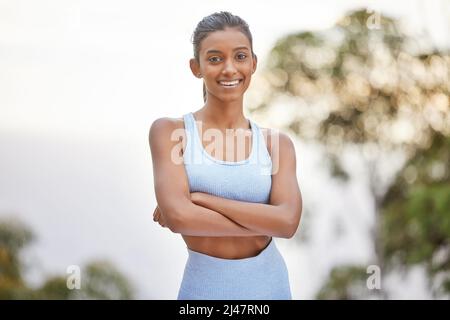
{"x":158,"y":216}
{"x":196,"y":197}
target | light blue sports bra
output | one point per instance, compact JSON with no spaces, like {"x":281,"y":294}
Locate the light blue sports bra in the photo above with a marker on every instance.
{"x":248,"y":180}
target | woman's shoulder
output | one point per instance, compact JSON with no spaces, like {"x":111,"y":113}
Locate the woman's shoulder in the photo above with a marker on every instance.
{"x":167,"y":129}
{"x":166,"y":124}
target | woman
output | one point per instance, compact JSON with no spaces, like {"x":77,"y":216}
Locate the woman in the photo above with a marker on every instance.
{"x":226,"y":211}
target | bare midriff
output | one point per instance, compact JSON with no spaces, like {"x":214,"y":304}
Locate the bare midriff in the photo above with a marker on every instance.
{"x":228,"y":247}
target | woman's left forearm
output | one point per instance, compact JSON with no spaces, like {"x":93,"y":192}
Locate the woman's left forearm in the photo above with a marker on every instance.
{"x":271,"y":220}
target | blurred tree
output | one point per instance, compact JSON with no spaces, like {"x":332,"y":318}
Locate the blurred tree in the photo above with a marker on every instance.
{"x":345,"y":282}
{"x":416,"y":215}
{"x":99,"y":279}
{"x":14,"y":236}
{"x":363,"y":86}
{"x":415,"y":225}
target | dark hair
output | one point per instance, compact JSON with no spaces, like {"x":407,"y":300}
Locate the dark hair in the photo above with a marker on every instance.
{"x":215,"y":22}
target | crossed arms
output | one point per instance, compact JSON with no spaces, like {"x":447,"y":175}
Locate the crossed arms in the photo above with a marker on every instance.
{"x":202,"y":214}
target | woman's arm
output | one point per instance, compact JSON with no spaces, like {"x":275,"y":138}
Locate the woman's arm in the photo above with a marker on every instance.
{"x":181,"y":215}
{"x":281,"y":217}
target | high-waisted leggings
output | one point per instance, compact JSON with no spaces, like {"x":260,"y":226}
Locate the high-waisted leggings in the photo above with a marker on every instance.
{"x":263,"y":277}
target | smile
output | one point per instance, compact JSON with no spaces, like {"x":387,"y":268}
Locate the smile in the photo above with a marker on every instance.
{"x":230,"y":84}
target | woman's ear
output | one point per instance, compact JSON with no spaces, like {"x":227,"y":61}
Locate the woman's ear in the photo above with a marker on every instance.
{"x":195,"y":68}
{"x":255,"y":62}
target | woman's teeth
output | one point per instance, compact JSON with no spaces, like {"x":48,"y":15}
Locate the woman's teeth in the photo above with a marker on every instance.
{"x":230,"y":83}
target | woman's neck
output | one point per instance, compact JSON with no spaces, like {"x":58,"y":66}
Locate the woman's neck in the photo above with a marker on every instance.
{"x":223,"y":115}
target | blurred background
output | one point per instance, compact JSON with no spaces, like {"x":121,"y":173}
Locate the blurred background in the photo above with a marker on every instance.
{"x":362,"y":87}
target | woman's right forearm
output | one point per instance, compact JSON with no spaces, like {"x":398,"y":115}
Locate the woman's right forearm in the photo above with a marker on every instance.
{"x":195,"y":220}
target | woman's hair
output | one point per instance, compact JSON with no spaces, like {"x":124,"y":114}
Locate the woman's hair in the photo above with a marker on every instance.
{"x":215,"y":22}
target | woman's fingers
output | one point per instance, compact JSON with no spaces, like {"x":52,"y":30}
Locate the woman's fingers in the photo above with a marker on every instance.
{"x":156,"y":214}
{"x":158,"y":217}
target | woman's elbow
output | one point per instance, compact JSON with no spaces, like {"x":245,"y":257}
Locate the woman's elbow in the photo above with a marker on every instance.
{"x":292,"y":224}
{"x":176,"y":220}
{"x":291,"y":231}
{"x":173,"y":223}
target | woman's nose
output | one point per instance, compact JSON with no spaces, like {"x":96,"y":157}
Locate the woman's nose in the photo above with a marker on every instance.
{"x":229,"y":68}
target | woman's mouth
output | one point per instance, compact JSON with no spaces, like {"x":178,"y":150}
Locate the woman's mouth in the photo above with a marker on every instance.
{"x":230,"y":84}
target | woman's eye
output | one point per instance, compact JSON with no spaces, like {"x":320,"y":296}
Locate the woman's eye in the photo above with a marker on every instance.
{"x":240,"y":56}
{"x":214,"y":59}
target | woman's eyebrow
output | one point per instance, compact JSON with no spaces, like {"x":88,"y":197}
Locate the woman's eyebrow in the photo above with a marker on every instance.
{"x":218,"y":51}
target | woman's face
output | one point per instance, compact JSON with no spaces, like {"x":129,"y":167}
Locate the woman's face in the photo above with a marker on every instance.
{"x":226,"y":64}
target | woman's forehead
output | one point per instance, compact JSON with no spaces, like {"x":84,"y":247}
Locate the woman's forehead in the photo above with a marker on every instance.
{"x":224,"y":40}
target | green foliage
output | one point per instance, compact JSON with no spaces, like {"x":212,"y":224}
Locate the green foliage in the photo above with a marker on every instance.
{"x":99,"y":279}
{"x":355,"y":85}
{"x":54,"y":288}
{"x":416,"y":212}
{"x":346,"y":283}
{"x":14,"y":236}
{"x":376,"y":91}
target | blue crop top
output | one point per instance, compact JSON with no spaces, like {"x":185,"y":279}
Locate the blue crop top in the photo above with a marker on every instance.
{"x":248,"y":180}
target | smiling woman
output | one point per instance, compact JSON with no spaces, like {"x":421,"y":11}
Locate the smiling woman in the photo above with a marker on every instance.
{"x":216,"y":56}
{"x":226,"y":211}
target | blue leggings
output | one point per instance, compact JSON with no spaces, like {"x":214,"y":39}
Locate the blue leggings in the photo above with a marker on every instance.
{"x":263,"y":277}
